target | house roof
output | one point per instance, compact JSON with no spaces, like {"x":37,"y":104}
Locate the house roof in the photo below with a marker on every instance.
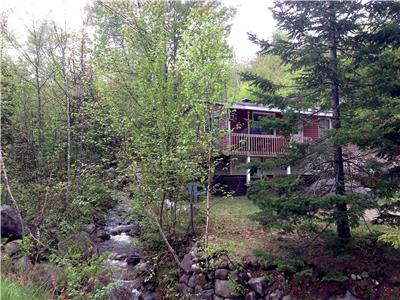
{"x":248,"y":105}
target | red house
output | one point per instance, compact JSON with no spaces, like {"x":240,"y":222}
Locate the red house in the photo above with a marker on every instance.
{"x":245,"y":142}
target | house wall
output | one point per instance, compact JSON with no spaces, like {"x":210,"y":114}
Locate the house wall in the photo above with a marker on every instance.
{"x":311,"y":129}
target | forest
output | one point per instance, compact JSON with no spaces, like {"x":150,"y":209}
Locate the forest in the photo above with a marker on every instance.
{"x":139,"y":158}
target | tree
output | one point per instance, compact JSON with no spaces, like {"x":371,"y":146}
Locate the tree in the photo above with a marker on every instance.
{"x":323,"y":41}
{"x":166,"y":68}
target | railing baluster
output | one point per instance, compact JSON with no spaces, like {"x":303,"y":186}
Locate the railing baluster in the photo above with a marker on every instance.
{"x":254,"y":144}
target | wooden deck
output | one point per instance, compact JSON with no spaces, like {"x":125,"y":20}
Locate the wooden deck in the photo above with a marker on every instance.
{"x":260,"y":145}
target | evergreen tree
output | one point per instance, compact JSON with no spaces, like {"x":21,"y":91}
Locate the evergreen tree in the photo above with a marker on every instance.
{"x":322,"y":43}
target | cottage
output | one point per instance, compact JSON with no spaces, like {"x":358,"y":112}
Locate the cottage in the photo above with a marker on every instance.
{"x":246,"y":142}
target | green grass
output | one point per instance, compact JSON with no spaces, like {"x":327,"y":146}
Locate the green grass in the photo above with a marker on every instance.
{"x":231,"y":227}
{"x":13,"y":290}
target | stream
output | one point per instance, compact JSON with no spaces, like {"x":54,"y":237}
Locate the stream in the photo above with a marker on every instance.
{"x":126,"y":258}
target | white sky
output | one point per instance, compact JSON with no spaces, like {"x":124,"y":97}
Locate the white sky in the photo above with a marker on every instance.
{"x":251,"y":16}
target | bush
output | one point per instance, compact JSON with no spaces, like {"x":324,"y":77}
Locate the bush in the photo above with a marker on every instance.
{"x":83,"y":279}
{"x":392,"y":238}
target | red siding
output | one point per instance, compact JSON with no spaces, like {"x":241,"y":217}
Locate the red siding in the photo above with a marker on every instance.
{"x":238,"y":120}
{"x":311,"y":130}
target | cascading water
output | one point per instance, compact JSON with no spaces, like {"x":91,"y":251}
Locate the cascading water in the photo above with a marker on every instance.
{"x":126,"y":259}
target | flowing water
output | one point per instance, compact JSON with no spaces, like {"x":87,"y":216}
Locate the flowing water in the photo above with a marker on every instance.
{"x":126,"y":259}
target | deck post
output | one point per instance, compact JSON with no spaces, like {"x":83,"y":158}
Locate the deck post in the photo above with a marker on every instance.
{"x":248,"y":175}
{"x":288,"y":170}
{"x":229,"y":130}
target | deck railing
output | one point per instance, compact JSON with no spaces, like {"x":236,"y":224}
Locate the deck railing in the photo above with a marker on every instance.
{"x":260,"y":145}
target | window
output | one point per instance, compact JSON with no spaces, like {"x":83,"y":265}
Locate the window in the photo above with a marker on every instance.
{"x":323,"y":126}
{"x":257,"y":129}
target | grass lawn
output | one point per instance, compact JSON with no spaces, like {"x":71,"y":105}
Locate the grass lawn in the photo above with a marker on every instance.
{"x":231,"y":227}
{"x":13,"y":290}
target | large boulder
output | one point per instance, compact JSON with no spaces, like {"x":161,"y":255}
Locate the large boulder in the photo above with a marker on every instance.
{"x":11,"y":227}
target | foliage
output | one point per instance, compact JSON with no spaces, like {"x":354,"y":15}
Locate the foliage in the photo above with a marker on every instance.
{"x":164,"y":94}
{"x":334,"y":276}
{"x":11,"y":289}
{"x":81,"y":278}
{"x":392,"y":238}
{"x":238,"y":288}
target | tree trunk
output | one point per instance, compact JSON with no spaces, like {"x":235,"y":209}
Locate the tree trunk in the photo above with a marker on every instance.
{"x":165,"y":239}
{"x":342,"y":223}
{"x":208,"y":207}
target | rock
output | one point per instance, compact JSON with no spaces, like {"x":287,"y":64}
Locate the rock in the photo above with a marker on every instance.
{"x":235,"y":275}
{"x":133,"y":260}
{"x":201,"y":280}
{"x":208,"y":294}
{"x":244,"y":277}
{"x":100,"y":222}
{"x":198,"y":289}
{"x":364,"y":275}
{"x":13,"y":248}
{"x":192,"y":281}
{"x":223,"y":288}
{"x":101,"y":235}
{"x":359,"y":277}
{"x":11,"y":227}
{"x":148,"y":296}
{"x":119,"y":256}
{"x":90,"y":228}
{"x":275,"y":295}
{"x":182,"y":288}
{"x":126,"y":289}
{"x":45,"y":274}
{"x":221,"y":274}
{"x":217,"y":298}
{"x":208,"y":286}
{"x":353,"y":276}
{"x":251,"y":296}
{"x":187,"y":263}
{"x":184,"y":279}
{"x":287,"y":297}
{"x":259,"y":285}
{"x":196,"y":268}
{"x":75,"y":243}
{"x":23,"y":264}
{"x":131,"y":230}
{"x":347,"y":296}
{"x":141,"y":267}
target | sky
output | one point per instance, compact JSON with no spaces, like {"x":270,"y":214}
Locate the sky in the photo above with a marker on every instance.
{"x":251,"y":16}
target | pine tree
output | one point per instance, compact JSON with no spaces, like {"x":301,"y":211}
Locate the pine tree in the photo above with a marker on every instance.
{"x":321,"y":44}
